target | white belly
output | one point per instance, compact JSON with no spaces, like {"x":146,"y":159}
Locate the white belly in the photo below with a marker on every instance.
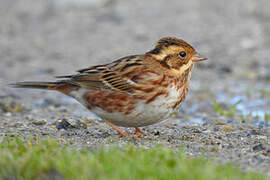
{"x":144,"y":114}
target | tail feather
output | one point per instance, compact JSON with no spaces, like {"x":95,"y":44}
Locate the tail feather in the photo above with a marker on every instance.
{"x":61,"y":86}
{"x":36,"y":85}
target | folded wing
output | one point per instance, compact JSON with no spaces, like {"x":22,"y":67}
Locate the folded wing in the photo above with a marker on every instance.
{"x":120,"y":75}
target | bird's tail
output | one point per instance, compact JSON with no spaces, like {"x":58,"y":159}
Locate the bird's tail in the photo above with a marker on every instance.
{"x":62,"y":86}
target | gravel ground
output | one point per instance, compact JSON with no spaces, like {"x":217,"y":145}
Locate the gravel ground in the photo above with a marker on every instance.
{"x":40,"y":39}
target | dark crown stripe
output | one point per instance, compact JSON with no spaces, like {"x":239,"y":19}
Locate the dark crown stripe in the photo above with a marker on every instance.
{"x":169,"y":43}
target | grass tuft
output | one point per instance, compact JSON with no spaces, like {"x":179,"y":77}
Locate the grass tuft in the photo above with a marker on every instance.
{"x":47,"y":159}
{"x":229,"y":112}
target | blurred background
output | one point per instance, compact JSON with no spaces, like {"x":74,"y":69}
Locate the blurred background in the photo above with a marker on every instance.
{"x":40,"y":39}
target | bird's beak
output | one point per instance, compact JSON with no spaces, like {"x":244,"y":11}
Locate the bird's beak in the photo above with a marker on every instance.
{"x":197,"y":58}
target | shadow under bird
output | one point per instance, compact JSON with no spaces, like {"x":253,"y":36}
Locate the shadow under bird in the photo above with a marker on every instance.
{"x":133,"y":91}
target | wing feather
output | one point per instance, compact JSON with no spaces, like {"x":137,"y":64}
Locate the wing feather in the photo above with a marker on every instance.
{"x":109,"y":76}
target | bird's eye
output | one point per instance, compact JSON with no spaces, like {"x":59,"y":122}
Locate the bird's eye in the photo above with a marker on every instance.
{"x":183,"y":54}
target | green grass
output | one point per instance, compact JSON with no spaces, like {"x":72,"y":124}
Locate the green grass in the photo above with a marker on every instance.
{"x":45,"y":158}
{"x":229,"y":112}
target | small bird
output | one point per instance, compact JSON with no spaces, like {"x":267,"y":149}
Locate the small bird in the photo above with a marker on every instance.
{"x":133,"y":91}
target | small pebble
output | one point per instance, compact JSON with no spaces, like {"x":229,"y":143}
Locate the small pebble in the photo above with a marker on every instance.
{"x":29,"y":117}
{"x":40,"y":122}
{"x":87,"y":120}
{"x":258,"y":147}
{"x":220,"y":123}
{"x":227,"y":128}
{"x":256,"y":160}
{"x":262,"y":137}
{"x":226,"y":69}
{"x":197,"y":130}
{"x":18,"y":124}
{"x":157,"y":133}
{"x":8,"y":114}
{"x":255,"y":132}
{"x":70,"y":123}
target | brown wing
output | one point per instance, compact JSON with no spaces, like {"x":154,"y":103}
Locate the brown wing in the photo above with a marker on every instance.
{"x":117,"y":76}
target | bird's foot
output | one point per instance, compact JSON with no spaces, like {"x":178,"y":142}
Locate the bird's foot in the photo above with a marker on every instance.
{"x":138,"y":132}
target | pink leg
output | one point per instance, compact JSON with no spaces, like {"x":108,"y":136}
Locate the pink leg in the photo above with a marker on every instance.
{"x":139,"y":131}
{"x":121,"y":133}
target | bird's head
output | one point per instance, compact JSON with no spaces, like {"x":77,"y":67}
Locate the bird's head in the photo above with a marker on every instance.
{"x":175,"y":54}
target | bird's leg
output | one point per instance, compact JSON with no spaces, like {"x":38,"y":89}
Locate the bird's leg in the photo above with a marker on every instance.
{"x":121,"y":133}
{"x":139,"y":131}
